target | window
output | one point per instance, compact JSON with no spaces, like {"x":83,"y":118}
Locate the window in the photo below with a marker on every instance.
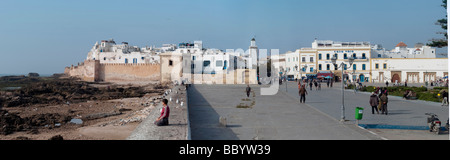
{"x":320,"y":56}
{"x":193,"y":58}
{"x":345,"y":66}
{"x":219,"y":63}
{"x":134,"y":60}
{"x":335,"y":66}
{"x":377,"y":66}
{"x":126,"y":60}
{"x":328,"y":56}
{"x":225,"y":64}
{"x":363,"y":66}
{"x":142,"y":58}
{"x":304,"y":69}
{"x":303,"y":59}
{"x":363,"y":56}
{"x":104,"y":58}
{"x":170,"y":62}
{"x":354,"y":55}
{"x":311,"y":69}
{"x":320,"y":67}
{"x":311,"y":59}
{"x":384,"y":66}
{"x":328,"y":66}
{"x":379,"y":55}
{"x":206,"y":63}
{"x":345,"y":56}
{"x":192,"y":66}
{"x":296,"y":58}
{"x":354,"y":66}
{"x":336,"y":55}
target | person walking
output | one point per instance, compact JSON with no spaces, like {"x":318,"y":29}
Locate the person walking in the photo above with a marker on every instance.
{"x":302,"y":92}
{"x":163,"y":119}
{"x":315,"y":84}
{"x":248,"y":90}
{"x":320,"y":86}
{"x":445,"y":98}
{"x":384,"y":101}
{"x":387,"y":83}
{"x":374,"y":102}
{"x":328,"y":83}
{"x":310,"y":85}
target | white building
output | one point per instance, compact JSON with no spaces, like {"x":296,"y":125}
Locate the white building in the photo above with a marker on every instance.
{"x":411,"y":70}
{"x":401,"y":50}
{"x":360,"y":51}
{"x":211,"y":61}
{"x":110,"y":52}
{"x":372,"y":63}
{"x":292,"y":65}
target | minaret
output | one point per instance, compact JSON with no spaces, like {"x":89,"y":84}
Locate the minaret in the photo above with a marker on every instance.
{"x":254,"y":54}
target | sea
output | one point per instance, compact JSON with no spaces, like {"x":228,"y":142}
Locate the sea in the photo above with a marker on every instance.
{"x":26,"y":74}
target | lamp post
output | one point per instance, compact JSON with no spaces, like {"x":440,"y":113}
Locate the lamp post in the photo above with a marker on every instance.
{"x":350,"y":60}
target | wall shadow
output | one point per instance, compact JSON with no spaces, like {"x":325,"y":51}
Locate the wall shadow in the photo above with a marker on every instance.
{"x":204,"y":119}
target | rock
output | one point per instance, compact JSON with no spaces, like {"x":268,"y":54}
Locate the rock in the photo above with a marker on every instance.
{"x":222,"y":121}
{"x":56,"y":138}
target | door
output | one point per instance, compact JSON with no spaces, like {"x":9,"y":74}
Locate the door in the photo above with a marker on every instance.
{"x":361,"y":77}
{"x":395,"y":77}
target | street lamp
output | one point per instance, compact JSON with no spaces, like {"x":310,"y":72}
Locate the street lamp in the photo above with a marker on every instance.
{"x":350,"y":60}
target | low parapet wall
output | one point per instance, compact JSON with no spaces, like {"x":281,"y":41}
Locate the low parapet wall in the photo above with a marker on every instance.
{"x":178,"y":128}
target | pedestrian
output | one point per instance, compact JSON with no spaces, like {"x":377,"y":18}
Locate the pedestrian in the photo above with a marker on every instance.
{"x":374,"y":102}
{"x":445,"y":98}
{"x":302,"y":92}
{"x":163,"y":119}
{"x":320,"y":86}
{"x":315,"y":84}
{"x":328,"y":83}
{"x":248,"y":90}
{"x":406,"y":84}
{"x":310,"y":85}
{"x":331,"y":83}
{"x":387,"y":83}
{"x":384,"y":102}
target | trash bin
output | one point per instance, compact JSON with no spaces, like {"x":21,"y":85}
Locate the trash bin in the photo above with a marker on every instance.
{"x":359,"y":113}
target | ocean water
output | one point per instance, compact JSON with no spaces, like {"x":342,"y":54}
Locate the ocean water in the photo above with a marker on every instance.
{"x":19,"y":74}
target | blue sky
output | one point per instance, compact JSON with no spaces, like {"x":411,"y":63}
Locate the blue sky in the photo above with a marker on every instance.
{"x":47,"y":35}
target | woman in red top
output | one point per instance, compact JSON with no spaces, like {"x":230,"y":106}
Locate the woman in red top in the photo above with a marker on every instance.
{"x":163,"y":119}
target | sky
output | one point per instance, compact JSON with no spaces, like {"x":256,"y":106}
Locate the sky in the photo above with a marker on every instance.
{"x":47,"y":35}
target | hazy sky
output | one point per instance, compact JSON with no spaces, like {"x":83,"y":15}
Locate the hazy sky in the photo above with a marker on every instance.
{"x":47,"y":35}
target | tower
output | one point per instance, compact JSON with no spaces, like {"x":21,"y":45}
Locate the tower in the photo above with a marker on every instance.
{"x":253,"y":53}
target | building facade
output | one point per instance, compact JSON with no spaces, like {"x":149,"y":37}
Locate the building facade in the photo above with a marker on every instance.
{"x":372,"y":63}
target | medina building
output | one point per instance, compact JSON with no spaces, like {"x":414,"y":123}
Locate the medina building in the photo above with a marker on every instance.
{"x":318,"y":58}
{"x":372,"y":63}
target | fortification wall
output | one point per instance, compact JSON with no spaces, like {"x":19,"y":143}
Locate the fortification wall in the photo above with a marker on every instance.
{"x":86,"y":71}
{"x":129,"y":72}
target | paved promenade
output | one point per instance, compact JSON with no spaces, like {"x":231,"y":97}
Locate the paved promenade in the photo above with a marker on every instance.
{"x":258,"y":117}
{"x":402,"y":114}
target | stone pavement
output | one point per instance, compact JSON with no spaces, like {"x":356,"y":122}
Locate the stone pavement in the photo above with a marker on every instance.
{"x":274,"y":117}
{"x":402,"y":113}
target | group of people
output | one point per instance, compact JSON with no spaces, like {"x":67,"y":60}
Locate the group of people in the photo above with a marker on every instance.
{"x":378,"y":101}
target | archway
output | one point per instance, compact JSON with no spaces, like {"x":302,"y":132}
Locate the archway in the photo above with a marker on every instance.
{"x":395,"y":77}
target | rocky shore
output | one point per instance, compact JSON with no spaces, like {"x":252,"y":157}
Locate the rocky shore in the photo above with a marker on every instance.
{"x":73,"y":109}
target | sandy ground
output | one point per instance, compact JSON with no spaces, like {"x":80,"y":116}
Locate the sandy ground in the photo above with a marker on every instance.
{"x":116,"y":127}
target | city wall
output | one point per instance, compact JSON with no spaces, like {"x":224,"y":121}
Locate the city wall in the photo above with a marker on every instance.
{"x":92,"y":70}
